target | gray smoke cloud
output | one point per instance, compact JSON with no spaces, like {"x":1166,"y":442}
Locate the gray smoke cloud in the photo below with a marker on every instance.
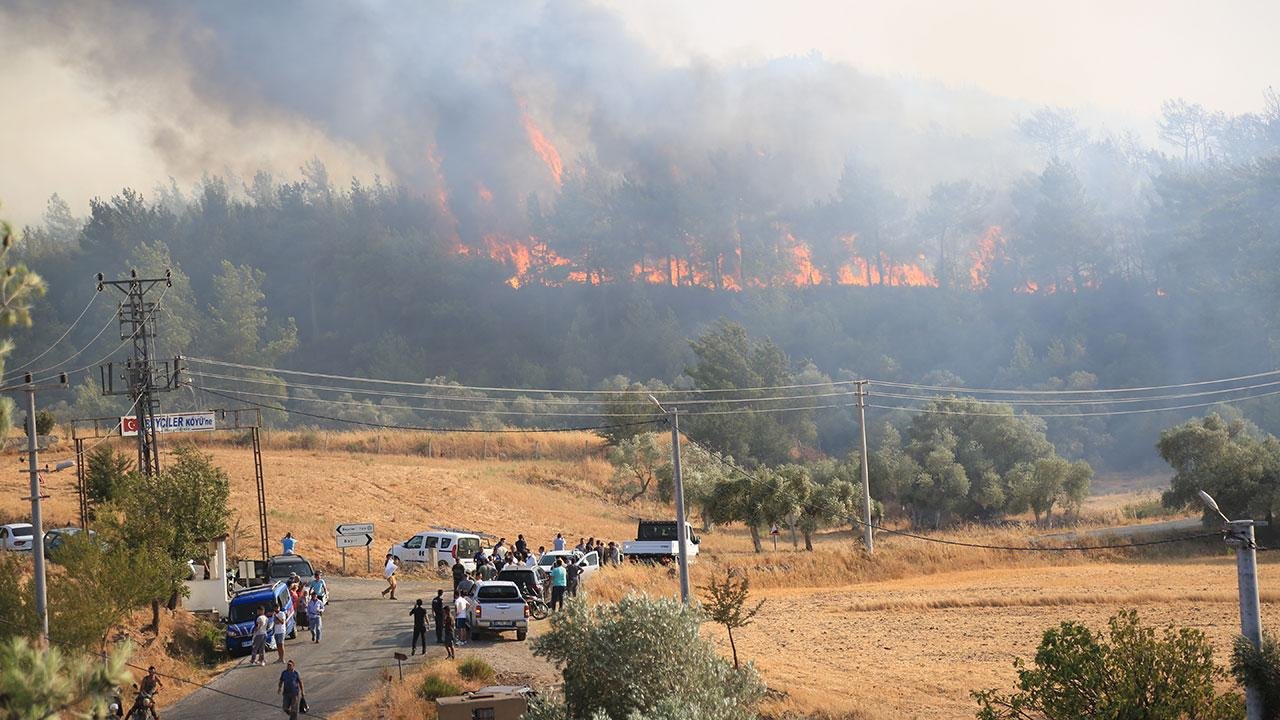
{"x":439,"y":95}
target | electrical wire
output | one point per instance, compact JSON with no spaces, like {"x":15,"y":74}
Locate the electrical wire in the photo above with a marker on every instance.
{"x":552,"y":401}
{"x":110,"y":433}
{"x":125,"y":341}
{"x":1078,"y":402}
{"x":446,"y":386}
{"x":77,"y":353}
{"x":945,"y":388}
{"x":19,"y":369}
{"x":1108,"y":413}
{"x":389,"y":426}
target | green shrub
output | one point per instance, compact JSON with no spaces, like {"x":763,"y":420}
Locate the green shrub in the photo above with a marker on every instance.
{"x":435,"y":686}
{"x":1144,"y":510}
{"x":475,"y":669}
{"x":211,"y":643}
{"x":44,"y":422}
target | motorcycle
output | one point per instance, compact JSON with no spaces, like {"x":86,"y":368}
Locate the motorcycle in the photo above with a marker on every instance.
{"x":142,"y":707}
{"x":538,"y":608}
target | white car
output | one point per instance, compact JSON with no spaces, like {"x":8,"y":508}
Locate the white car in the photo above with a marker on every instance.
{"x":589,"y":563}
{"x":16,"y":536}
{"x":496,"y":606}
{"x":448,"y":546}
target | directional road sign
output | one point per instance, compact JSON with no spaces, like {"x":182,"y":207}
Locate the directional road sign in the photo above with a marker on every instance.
{"x":346,"y":541}
{"x":355,"y":529}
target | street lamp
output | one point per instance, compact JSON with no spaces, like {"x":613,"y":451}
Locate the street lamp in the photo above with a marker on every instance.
{"x":682,"y":532}
{"x":1239,"y":534}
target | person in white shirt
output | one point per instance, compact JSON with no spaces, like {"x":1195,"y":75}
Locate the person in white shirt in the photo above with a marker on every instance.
{"x":258,"y":655}
{"x":529,"y":560}
{"x":460,"y":605}
{"x":315,"y":611}
{"x":277,"y":626}
{"x":389,"y":572}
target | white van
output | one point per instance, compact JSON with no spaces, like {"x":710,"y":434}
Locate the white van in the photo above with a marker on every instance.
{"x":441,"y":546}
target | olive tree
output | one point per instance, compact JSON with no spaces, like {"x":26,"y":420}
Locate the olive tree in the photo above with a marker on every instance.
{"x":642,"y":657}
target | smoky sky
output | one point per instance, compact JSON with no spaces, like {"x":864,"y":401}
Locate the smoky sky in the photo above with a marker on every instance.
{"x":438,"y":94}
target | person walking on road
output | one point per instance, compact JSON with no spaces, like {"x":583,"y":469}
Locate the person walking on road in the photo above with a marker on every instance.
{"x":419,"y":614}
{"x":461,"y":619}
{"x":258,"y":655}
{"x":288,"y":543}
{"x":448,"y":638}
{"x":315,"y":611}
{"x":459,"y":572}
{"x":319,"y":587}
{"x":558,"y":544}
{"x":437,"y":615}
{"x":559,"y":579}
{"x":290,"y":688}
{"x":389,"y":572}
{"x":278,"y":621}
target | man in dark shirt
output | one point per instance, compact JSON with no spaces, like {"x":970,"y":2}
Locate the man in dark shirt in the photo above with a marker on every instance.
{"x":419,"y":614}
{"x":573,"y":571}
{"x":290,"y":686}
{"x":522,"y":546}
{"x":459,"y":572}
{"x":437,"y":615}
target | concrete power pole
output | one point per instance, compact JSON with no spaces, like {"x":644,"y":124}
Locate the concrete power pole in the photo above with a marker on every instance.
{"x":37,"y":516}
{"x":682,"y":530}
{"x":868,"y":539}
{"x":1239,"y":535}
{"x":142,"y":376}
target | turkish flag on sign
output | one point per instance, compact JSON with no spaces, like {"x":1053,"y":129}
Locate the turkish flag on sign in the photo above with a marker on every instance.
{"x":129,"y":425}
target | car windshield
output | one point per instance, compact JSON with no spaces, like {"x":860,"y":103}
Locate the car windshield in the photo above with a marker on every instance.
{"x":282,"y":567}
{"x":498,"y":592}
{"x":244,"y":612}
{"x":657,"y":531}
{"x":413,"y":542}
{"x":515,"y":575}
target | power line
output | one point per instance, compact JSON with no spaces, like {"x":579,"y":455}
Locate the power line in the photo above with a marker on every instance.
{"x":552,"y":401}
{"x":18,"y":370}
{"x":447,"y":386}
{"x":1107,"y":413}
{"x":945,"y":388}
{"x":1077,"y":402}
{"x":127,"y":339}
{"x":77,"y":353}
{"x":389,"y":426}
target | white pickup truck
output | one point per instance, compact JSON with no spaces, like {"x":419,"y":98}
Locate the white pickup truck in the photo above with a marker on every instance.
{"x":657,"y":541}
{"x":497,"y":606}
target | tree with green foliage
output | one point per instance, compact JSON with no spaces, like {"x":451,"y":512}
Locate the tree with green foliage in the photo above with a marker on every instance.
{"x":1130,"y":672}
{"x":726,"y":604}
{"x":642,"y":657}
{"x":728,"y":359}
{"x":1259,"y":668}
{"x":1230,"y":459}
{"x":106,"y":473}
{"x":240,"y":327}
{"x":17,"y":598}
{"x":19,"y":288}
{"x":178,"y":511}
{"x":756,"y":500}
{"x":636,"y":461}
{"x":38,"y":684}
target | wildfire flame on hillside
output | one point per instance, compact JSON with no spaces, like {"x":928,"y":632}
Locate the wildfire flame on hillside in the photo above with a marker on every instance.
{"x":542,"y":146}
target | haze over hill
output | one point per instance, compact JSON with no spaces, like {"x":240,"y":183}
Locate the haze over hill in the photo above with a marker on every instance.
{"x":543,"y":199}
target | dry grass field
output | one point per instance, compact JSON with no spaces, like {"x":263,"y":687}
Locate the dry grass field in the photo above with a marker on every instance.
{"x":904,"y":634}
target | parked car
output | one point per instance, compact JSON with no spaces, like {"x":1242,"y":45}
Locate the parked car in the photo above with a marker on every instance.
{"x":280,"y":567}
{"x":16,"y":536}
{"x":449,"y":546}
{"x":657,"y":541}
{"x":57,"y":537}
{"x":243,"y":612}
{"x":497,"y":606}
{"x":589,"y":562}
{"x":534,"y":579}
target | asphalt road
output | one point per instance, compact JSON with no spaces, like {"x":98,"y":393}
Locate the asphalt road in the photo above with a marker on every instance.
{"x":361,"y":631}
{"x":1135,"y":532}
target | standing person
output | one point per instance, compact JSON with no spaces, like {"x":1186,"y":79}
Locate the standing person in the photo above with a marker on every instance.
{"x":437,"y":615}
{"x":290,"y":687}
{"x":315,"y":611}
{"x":318,"y":586}
{"x":487,"y":570}
{"x":389,"y":572}
{"x":573,"y":572}
{"x":288,"y":543}
{"x":542,"y":550}
{"x":419,"y":614}
{"x":300,"y":614}
{"x":615,"y":556}
{"x":448,"y":637}
{"x":522,"y":547}
{"x":459,"y":572}
{"x":149,"y":686}
{"x":559,"y":580}
{"x":558,"y":543}
{"x":529,"y":560}
{"x":500,"y":550}
{"x":464,"y":587}
{"x":278,"y":621}
{"x":258,"y":655}
{"x":460,"y":614}
{"x":581,"y":543}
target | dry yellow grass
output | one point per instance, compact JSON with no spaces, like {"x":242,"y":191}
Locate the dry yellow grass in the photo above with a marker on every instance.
{"x":906,"y":633}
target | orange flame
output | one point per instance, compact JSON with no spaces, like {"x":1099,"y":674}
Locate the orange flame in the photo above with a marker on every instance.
{"x":486,"y":195}
{"x":990,"y":247}
{"x":541,"y":145}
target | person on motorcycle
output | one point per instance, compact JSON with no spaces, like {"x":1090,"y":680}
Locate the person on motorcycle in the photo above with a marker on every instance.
{"x":147,"y":690}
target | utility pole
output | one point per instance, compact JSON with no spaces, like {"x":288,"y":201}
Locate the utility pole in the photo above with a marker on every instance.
{"x":143,"y":377}
{"x":868,"y":539}
{"x":1239,"y":535}
{"x":37,"y":517}
{"x":682,"y":530}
